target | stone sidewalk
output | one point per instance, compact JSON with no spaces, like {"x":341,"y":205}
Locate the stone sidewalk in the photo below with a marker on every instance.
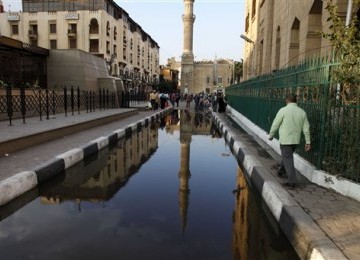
{"x":319,"y":217}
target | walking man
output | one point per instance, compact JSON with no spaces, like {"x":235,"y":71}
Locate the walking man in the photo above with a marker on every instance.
{"x":290,"y":120}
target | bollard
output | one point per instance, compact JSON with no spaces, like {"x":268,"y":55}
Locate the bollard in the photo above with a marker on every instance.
{"x":65,"y":100}
{"x":53,"y":105}
{"x":104,"y":98}
{"x":22,"y":103}
{"x":47,"y":104}
{"x":78,"y":99}
{"x":100,"y":99}
{"x":40,"y":105}
{"x":86,"y":94}
{"x":107,"y":99}
{"x":9,"y":106}
{"x":72,"y":100}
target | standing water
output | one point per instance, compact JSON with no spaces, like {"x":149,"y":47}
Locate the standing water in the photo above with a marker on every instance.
{"x":172,"y":190}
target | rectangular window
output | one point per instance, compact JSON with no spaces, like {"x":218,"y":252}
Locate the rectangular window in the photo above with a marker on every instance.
{"x":108,"y":47}
{"x":73,"y":27}
{"x":53,"y":28}
{"x":94,"y":45}
{"x":207,"y":80}
{"x":53,"y":44}
{"x":15,"y":29}
{"x":219,"y":80}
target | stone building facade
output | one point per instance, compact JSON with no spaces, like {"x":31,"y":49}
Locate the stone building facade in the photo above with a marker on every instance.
{"x":99,"y":27}
{"x":279,"y":34}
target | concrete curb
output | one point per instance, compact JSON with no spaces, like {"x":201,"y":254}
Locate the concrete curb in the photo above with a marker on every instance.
{"x":22,"y":182}
{"x":309,"y":241}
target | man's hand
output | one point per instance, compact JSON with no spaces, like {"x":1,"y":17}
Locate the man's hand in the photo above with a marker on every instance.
{"x":307,"y":147}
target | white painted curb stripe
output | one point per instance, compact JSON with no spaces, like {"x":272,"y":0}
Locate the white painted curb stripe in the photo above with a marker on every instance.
{"x":120,"y":133}
{"x":72,"y":157}
{"x":102,"y":142}
{"x":17,"y":185}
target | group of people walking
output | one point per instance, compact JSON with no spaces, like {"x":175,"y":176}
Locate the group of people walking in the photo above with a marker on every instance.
{"x":202,"y":101}
{"x":161,"y":100}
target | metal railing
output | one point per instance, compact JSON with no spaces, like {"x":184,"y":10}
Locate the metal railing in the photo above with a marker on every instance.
{"x":333,"y":112}
{"x":16,"y":103}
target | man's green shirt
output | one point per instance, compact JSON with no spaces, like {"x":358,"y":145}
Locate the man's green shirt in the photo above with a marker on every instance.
{"x":291,"y":120}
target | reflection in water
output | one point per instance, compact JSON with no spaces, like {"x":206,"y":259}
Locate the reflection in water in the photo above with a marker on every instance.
{"x":143,"y":222}
{"x":251,"y":236}
{"x":99,"y":178}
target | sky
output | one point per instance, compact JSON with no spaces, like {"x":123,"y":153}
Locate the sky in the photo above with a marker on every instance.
{"x":217,"y":28}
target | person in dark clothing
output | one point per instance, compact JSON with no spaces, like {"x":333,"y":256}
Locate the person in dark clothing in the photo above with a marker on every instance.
{"x":163,"y":101}
{"x":177,"y":99}
{"x":221,"y":103}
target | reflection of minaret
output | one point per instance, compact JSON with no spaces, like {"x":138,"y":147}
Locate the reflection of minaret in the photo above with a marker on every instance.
{"x":187,"y":58}
{"x":240,"y":218}
{"x":184,"y":173}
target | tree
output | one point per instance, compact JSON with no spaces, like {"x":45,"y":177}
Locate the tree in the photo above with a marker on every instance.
{"x":238,"y":70}
{"x":346,"y":45}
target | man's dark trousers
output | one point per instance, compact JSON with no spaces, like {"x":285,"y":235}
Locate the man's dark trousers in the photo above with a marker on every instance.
{"x":287,"y":161}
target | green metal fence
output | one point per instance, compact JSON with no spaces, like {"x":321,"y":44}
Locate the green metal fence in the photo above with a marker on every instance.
{"x":334,"y":114}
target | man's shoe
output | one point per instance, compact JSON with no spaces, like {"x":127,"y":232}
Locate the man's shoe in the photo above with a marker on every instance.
{"x":281,"y":174}
{"x":290,"y":185}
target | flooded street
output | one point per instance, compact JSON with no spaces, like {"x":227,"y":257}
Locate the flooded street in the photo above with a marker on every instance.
{"x":173,"y":190}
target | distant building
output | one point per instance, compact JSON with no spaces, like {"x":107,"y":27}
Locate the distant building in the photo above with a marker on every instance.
{"x":99,"y":27}
{"x":283,"y":33}
{"x":201,"y":76}
{"x":170,"y":72}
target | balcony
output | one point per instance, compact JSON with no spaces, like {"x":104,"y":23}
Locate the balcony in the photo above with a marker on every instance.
{"x":71,"y":34}
{"x":33,"y":34}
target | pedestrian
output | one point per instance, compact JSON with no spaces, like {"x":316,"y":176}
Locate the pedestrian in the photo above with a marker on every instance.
{"x":177,"y":99}
{"x":290,"y":121}
{"x":157,"y":100}
{"x":172,"y":99}
{"x":214,"y":102}
{"x":221,"y":103}
{"x":189,"y":98}
{"x":153,"y":99}
{"x":163,"y":100}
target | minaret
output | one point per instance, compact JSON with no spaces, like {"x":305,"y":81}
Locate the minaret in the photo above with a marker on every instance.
{"x":187,"y":58}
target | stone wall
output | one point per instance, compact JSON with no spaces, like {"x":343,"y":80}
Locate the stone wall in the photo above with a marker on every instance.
{"x":75,"y":68}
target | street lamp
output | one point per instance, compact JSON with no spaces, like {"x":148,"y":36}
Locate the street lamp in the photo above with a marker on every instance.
{"x":247,"y":39}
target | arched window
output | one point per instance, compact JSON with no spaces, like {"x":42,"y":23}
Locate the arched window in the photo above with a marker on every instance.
{"x":294,"y":43}
{"x":94,"y":26}
{"x":108,"y":29}
{"x":313,"y":39}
